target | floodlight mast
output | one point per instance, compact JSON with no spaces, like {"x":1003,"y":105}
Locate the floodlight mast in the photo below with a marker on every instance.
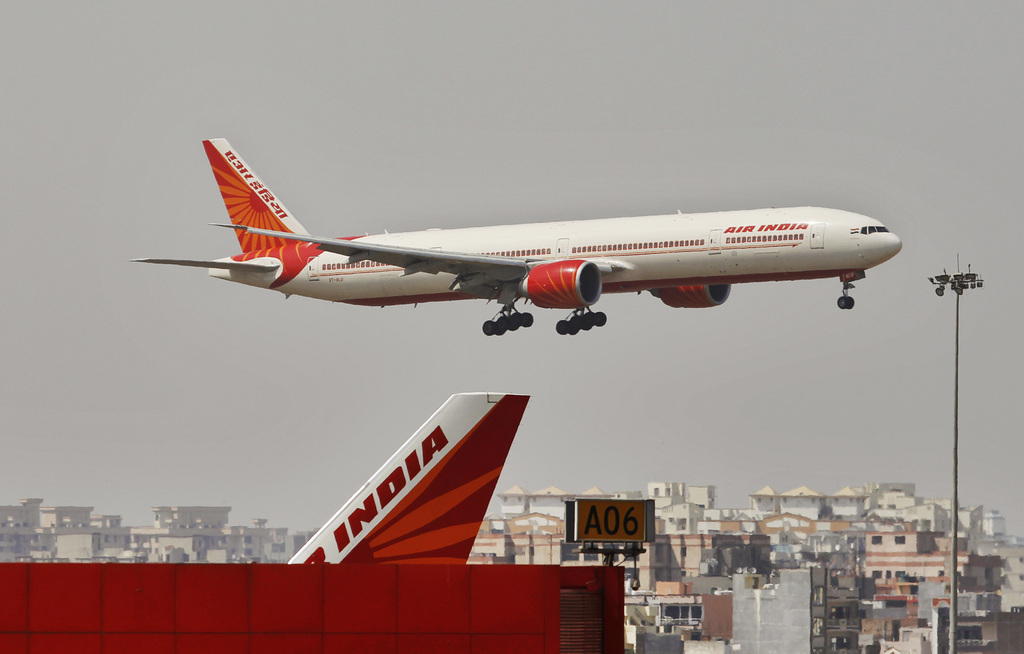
{"x":958,"y":283}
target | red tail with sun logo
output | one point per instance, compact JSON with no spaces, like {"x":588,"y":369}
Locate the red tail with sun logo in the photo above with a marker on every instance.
{"x":248,"y":200}
{"x":426,"y":503}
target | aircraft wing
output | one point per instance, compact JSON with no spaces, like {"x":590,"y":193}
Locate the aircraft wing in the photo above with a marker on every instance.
{"x":473,"y":270}
{"x":240,"y":266}
{"x":413,"y":260}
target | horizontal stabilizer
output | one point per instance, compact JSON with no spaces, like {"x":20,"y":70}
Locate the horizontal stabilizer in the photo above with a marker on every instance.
{"x":239,"y":266}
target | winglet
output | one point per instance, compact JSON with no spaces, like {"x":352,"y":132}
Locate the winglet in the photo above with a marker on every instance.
{"x":426,"y":503}
{"x":249,"y":201}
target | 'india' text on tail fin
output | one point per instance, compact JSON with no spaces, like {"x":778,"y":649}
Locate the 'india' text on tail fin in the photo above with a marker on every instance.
{"x":426,"y":503}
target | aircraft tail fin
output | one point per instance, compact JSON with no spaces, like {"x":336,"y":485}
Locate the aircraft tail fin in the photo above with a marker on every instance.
{"x":248,"y":200}
{"x":426,"y":503}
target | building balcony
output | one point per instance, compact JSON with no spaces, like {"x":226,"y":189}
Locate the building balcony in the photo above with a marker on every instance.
{"x":681,"y":622}
{"x":970,"y":645}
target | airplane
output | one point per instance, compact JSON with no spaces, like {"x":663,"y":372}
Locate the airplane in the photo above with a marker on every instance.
{"x":685,"y":260}
{"x":426,"y":503}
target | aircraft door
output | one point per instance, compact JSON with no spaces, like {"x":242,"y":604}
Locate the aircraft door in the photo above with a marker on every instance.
{"x":817,"y":236}
{"x":715,"y":242}
{"x":311,"y":272}
{"x":562,"y":248}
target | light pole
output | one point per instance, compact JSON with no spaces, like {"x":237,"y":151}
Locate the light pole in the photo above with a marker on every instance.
{"x":958,"y":283}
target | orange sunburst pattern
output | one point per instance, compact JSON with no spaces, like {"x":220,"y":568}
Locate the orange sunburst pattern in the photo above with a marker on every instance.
{"x":248,"y":201}
{"x":438,"y":521}
{"x":554,"y":285}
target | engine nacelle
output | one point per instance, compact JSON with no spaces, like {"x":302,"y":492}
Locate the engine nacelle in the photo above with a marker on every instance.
{"x":564,"y":284}
{"x":694,"y":297}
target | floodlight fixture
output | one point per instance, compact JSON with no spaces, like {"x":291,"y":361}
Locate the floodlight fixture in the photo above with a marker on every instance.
{"x":957,"y":282}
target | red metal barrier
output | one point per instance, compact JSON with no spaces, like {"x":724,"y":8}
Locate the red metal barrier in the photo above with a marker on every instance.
{"x":256,"y":609}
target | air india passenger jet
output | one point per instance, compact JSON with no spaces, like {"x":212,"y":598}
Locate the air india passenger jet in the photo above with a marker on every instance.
{"x":685,"y":260}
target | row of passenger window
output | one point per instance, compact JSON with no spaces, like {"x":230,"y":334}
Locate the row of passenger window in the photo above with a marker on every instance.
{"x":625,"y":247}
{"x":349,"y":266}
{"x":535,"y":252}
{"x":764,"y":238}
{"x":622,"y":247}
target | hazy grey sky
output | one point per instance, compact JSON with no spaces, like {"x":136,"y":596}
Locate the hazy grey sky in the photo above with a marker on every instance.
{"x":127,"y":386}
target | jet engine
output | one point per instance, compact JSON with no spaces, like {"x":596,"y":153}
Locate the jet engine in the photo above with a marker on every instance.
{"x":694,"y":297}
{"x":565,"y":284}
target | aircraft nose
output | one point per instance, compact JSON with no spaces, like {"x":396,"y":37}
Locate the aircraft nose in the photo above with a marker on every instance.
{"x":892,"y":246}
{"x":895,"y":245}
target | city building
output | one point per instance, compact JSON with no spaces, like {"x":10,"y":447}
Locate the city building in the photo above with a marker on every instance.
{"x":775,"y":615}
{"x":32,"y":532}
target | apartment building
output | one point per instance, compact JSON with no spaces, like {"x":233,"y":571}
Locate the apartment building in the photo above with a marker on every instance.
{"x":30,"y":531}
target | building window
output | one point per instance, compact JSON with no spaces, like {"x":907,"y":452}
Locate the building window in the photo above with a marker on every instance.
{"x":818,"y":627}
{"x":876,"y":540}
{"x":901,"y":540}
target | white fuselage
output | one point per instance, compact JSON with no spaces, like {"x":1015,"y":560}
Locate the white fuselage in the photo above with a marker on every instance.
{"x":646,"y":252}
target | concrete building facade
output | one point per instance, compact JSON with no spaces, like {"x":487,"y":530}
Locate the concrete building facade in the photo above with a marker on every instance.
{"x":32,"y":532}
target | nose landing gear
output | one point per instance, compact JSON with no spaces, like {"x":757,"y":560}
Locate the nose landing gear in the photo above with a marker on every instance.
{"x":581,"y":319}
{"x":846,"y":302}
{"x":507,"y":320}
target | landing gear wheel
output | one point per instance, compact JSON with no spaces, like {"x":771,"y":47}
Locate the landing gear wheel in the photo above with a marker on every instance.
{"x":846,"y":302}
{"x":507,"y":320}
{"x":581,"y":320}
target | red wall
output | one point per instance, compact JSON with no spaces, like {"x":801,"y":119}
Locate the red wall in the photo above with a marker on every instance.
{"x":255,"y":609}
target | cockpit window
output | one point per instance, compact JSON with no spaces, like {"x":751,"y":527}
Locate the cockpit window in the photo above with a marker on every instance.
{"x":871,"y":229}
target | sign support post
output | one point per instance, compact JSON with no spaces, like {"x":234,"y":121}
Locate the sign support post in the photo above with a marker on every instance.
{"x":611,"y":528}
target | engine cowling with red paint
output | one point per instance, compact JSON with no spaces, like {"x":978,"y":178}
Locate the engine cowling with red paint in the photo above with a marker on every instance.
{"x":564,"y":284}
{"x":694,"y":297}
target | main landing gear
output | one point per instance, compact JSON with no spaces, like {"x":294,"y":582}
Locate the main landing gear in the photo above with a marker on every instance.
{"x":581,"y":319}
{"x":507,"y":320}
{"x":846,"y":302}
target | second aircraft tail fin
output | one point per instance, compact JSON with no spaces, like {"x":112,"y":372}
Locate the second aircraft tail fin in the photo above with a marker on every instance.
{"x":426,"y":503}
